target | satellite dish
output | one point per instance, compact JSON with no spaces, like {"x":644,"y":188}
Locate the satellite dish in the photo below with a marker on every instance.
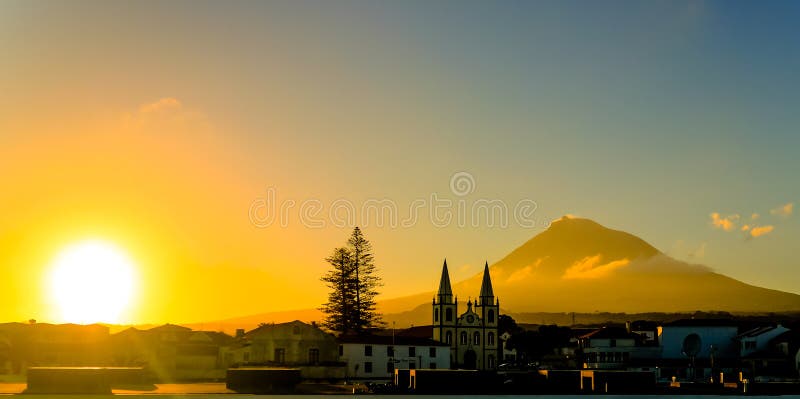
{"x":691,"y":345}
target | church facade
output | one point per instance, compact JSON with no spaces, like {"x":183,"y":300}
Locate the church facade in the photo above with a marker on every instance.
{"x":472,"y":335}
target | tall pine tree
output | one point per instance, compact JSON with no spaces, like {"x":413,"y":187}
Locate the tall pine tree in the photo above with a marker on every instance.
{"x":341,"y":299}
{"x":366,"y":282}
{"x":353,"y":284}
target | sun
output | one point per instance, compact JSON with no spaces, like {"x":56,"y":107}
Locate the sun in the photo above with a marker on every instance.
{"x":92,"y":282}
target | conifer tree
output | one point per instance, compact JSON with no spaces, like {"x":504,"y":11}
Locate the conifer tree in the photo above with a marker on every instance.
{"x":353,"y":287}
{"x":365,"y":315}
{"x":341,"y":299}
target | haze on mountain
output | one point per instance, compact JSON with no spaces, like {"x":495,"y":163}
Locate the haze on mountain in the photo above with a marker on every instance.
{"x":578,"y":265}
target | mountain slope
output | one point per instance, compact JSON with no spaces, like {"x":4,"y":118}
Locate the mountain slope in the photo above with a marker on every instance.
{"x":578,"y":265}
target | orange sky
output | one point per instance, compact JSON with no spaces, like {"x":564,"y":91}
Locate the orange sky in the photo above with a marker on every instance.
{"x":156,"y":126}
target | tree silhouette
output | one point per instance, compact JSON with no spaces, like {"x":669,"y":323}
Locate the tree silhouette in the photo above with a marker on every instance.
{"x":353,"y":287}
{"x":366,"y":282}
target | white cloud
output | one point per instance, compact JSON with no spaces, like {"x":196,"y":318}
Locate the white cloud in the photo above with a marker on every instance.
{"x":590,"y":268}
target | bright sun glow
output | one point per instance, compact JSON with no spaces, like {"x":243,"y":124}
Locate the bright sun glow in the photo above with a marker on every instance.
{"x":92,"y":282}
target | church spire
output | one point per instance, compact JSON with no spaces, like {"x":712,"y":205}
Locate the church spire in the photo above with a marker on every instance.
{"x":487,"y":293}
{"x":445,"y":294}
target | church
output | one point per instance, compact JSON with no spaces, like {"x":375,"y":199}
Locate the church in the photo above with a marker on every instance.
{"x":472,"y":336}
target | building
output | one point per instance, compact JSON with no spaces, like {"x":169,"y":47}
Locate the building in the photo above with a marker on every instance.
{"x":375,"y":357}
{"x":472,"y":336}
{"x":608,"y":348}
{"x":758,"y":339}
{"x":173,"y":353}
{"x":292,"y":343}
{"x":698,"y":348}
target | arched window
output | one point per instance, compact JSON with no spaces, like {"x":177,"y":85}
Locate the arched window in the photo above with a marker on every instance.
{"x":490,"y":339}
{"x":476,"y":338}
{"x":448,"y":337}
{"x":436,"y":315}
{"x":491,"y":316}
{"x":490,"y":361}
{"x":463,"y":337}
{"x":448,"y":314}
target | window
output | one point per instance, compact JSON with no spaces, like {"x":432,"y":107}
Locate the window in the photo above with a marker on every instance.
{"x":433,"y":366}
{"x":476,"y":338}
{"x":432,"y":352}
{"x":390,"y":351}
{"x":490,"y":339}
{"x":491,"y":316}
{"x":448,"y":337}
{"x":463,"y":338}
{"x":448,"y":314}
{"x":280,"y":355}
{"x":436,"y":315}
{"x":490,"y":361}
{"x":341,"y":350}
{"x":296,"y":330}
{"x":368,"y":367}
{"x":750,"y":344}
{"x":389,"y":368}
{"x":412,"y":351}
{"x":368,"y":350}
{"x":612,"y":342}
{"x":412,"y":365}
{"x":313,"y":356}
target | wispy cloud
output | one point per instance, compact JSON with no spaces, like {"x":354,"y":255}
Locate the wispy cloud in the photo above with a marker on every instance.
{"x":785,"y":210}
{"x":166,"y":115}
{"x":590,"y":267}
{"x":761,"y":231}
{"x":727,"y":223}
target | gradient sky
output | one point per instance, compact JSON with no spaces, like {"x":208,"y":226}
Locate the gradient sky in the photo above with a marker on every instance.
{"x":155,"y":125}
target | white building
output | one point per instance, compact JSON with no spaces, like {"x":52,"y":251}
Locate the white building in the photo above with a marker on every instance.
{"x":702,"y":339}
{"x":375,"y":357}
{"x":608,"y":348}
{"x":758,"y":339}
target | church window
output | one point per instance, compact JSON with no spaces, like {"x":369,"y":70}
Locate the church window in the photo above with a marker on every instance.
{"x":448,"y":314}
{"x":491,"y":316}
{"x":448,"y":337}
{"x":368,"y":367}
{"x":412,"y":351}
{"x":390,"y":351}
{"x":341,"y":350}
{"x":412,"y":365}
{"x":433,"y":366}
{"x":463,"y":337}
{"x":368,"y":350}
{"x":490,"y":361}
{"x":476,"y":338}
{"x":436,"y":315}
{"x":432,"y":352}
{"x":389,"y":367}
{"x":490,"y":339}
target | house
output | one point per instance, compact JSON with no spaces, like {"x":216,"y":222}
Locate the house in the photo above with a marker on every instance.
{"x":295,"y":344}
{"x":472,"y":336}
{"x":698,"y":348}
{"x":172,"y":353}
{"x":758,"y":339}
{"x":777,"y":359}
{"x":608,"y":347}
{"x":375,"y":357}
